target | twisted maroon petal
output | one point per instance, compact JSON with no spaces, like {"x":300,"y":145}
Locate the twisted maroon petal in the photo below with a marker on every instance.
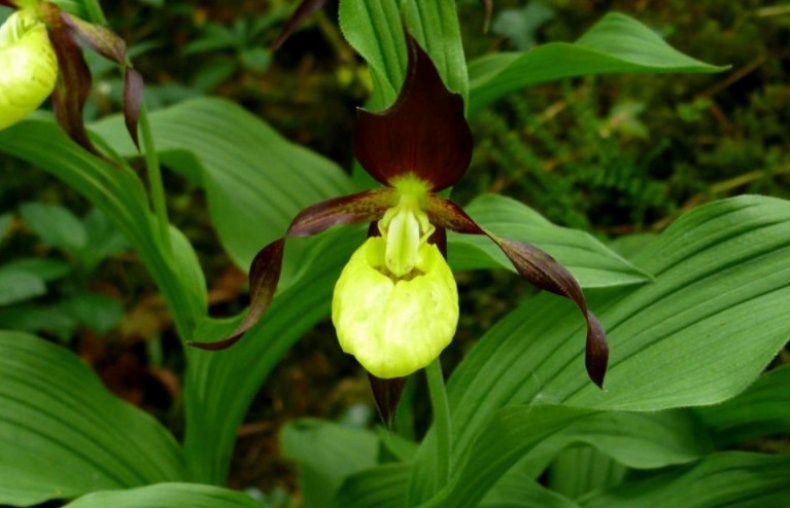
{"x":74,"y":79}
{"x":538,"y":268}
{"x":112,"y":47}
{"x":424,"y":133}
{"x":103,"y":40}
{"x":267,"y":265}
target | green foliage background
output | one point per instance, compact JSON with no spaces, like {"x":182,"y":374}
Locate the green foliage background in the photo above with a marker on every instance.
{"x":613,"y":155}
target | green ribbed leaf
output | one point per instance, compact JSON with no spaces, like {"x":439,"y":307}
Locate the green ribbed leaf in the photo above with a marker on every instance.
{"x":763,"y":409}
{"x":582,"y":469}
{"x":326,"y":454}
{"x":375,"y":30}
{"x":509,"y":433}
{"x":701,"y":333}
{"x":734,"y":480}
{"x":591,"y":263}
{"x":516,"y":490}
{"x":637,"y":440}
{"x":168,"y":495}
{"x":255,"y":180}
{"x":381,"y":487}
{"x":617,"y":43}
{"x":62,"y":434}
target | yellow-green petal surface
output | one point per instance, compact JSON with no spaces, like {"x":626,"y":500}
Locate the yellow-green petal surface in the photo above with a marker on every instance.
{"x":394,"y":326}
{"x":28,"y":67}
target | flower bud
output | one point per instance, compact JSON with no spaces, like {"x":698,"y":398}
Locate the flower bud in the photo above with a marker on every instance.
{"x":28,"y":67}
{"x":395,"y":325}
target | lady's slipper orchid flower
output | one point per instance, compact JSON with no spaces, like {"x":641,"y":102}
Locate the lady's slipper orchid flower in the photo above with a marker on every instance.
{"x":395,"y":305}
{"x":26,"y":56}
{"x":40,"y":56}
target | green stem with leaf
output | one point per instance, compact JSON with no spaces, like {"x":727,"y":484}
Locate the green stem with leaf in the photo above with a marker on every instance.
{"x":441,"y":420}
{"x":154,"y":170}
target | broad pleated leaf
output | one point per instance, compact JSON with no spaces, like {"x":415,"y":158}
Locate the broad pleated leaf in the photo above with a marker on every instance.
{"x":121,"y":196}
{"x":509,"y":433}
{"x":516,"y":490}
{"x":617,"y":43}
{"x":375,"y":30}
{"x":702,"y":332}
{"x":734,"y":480}
{"x":381,"y":487}
{"x":62,"y":434}
{"x":590,"y":262}
{"x":256,"y":181}
{"x":168,"y":495}
{"x":637,"y":440}
{"x":326,"y":453}
{"x":582,"y":469}
{"x":763,"y":409}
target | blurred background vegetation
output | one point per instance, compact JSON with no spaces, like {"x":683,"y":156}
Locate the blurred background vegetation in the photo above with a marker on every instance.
{"x":614,"y":155}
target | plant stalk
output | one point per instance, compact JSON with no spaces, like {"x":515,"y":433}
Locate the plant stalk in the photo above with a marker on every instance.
{"x":155,"y":180}
{"x":441,"y":421}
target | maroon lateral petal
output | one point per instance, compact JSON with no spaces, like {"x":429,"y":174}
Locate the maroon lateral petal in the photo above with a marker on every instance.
{"x":267,"y":265}
{"x":112,"y":47}
{"x":306,"y":9}
{"x":355,"y":208}
{"x":74,"y":79}
{"x":132,"y":101}
{"x":537,"y":267}
{"x":264,"y":276}
{"x":424,"y":132}
{"x":103,"y":40}
{"x":7,"y":3}
{"x":387,"y":393}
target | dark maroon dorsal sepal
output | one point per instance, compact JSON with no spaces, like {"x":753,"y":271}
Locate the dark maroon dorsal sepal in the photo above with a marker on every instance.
{"x":424,"y":133}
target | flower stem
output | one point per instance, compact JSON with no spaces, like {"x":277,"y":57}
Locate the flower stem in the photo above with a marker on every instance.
{"x":155,"y":180}
{"x":441,"y":420}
